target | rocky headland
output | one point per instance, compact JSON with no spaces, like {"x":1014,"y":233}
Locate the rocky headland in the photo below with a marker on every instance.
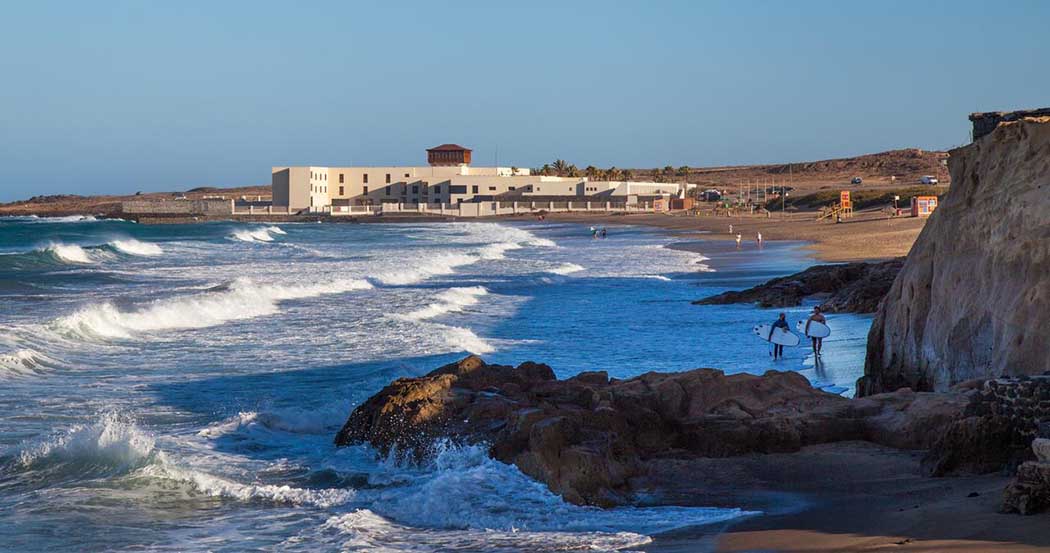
{"x":844,"y":288}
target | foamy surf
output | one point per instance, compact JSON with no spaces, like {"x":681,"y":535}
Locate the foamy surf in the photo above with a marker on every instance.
{"x":429,"y":266}
{"x":130,"y":246}
{"x":566,"y":269}
{"x":265,"y":234}
{"x":453,"y":300}
{"x":69,"y":253}
{"x":243,"y":299}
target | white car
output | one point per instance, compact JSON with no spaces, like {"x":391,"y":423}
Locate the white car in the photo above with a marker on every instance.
{"x":928,"y":179}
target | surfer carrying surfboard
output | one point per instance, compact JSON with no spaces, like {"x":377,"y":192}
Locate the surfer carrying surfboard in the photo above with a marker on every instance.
{"x":781,"y":322}
{"x":817,"y":316}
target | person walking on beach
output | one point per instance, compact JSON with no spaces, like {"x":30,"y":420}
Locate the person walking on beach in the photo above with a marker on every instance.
{"x":739,"y":237}
{"x":818,"y":317}
{"x":781,"y":322}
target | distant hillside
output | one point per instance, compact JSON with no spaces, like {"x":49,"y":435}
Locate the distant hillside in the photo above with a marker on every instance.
{"x":72,"y":204}
{"x":907,"y":166}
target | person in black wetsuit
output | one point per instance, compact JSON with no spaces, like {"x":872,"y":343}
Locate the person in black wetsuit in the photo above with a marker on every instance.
{"x":781,"y":322}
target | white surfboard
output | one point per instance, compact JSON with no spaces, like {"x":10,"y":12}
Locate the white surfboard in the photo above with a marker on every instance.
{"x":816,"y":329}
{"x":779,"y":336}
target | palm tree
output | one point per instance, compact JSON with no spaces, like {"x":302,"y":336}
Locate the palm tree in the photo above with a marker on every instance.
{"x":612,"y":173}
{"x":591,"y":172}
{"x":572,"y":171}
{"x":683,"y":171}
{"x":545,"y":170}
{"x":560,"y":166}
{"x":668,"y":170}
{"x":626,"y":174}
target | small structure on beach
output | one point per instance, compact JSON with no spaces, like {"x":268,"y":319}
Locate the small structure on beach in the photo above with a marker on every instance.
{"x":923,"y":206}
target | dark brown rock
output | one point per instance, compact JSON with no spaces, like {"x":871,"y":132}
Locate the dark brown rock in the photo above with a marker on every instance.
{"x":587,"y":437}
{"x":850,"y":288}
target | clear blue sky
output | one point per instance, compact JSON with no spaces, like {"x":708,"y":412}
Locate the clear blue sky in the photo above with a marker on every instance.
{"x":114,"y":97}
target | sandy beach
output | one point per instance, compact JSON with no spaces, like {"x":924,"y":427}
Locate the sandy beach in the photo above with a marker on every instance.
{"x":868,"y":236}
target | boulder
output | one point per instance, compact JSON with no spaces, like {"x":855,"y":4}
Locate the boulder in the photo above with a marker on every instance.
{"x":588,"y":436}
{"x":849,"y":288}
{"x":974,"y":293}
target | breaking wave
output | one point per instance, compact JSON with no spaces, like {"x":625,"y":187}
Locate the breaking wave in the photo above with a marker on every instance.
{"x":439,"y":264}
{"x":464,"y":339}
{"x":242,"y":299}
{"x":450,"y":301}
{"x":265,"y":234}
{"x":24,"y":362}
{"x":566,"y":269}
{"x":130,"y":246}
{"x":69,"y":253}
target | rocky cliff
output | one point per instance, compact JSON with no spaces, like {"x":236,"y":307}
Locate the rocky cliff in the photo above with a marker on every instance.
{"x":973,"y":297}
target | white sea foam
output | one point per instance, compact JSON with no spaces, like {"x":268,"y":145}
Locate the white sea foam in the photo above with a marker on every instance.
{"x":217,"y":486}
{"x":112,"y":445}
{"x":243,"y":299}
{"x":566,"y":269}
{"x":131,"y":246}
{"x":256,"y":234}
{"x":429,"y":266}
{"x":464,"y":339}
{"x":465,"y":500}
{"x":24,"y":362}
{"x":449,"y":301}
{"x":69,"y":253}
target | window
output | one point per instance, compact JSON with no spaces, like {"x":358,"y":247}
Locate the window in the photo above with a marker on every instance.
{"x":366,"y":178}
{"x":406,"y":175}
{"x":437,"y":189}
{"x":512,"y":188}
{"x":457,"y":189}
{"x":366,"y":191}
{"x":387,"y":190}
{"x":492,"y":189}
{"x":388,"y":178}
{"x":340,"y":178}
{"x":415,"y":189}
{"x":341,"y":191}
{"x":474,"y":189}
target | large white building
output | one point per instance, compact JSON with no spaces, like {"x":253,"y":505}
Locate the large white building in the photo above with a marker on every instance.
{"x":448,"y":179}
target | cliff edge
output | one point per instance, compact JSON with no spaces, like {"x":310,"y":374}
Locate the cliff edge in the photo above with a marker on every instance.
{"x":973,"y":297}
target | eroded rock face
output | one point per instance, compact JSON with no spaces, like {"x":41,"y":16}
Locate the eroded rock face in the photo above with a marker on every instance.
{"x":586,"y":437}
{"x":850,"y":288}
{"x":973,"y":297}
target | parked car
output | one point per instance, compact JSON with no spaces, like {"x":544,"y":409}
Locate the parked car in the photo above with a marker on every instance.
{"x":856,"y":180}
{"x":928,"y":179}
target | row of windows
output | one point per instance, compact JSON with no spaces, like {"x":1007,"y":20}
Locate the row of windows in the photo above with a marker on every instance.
{"x":365,"y":178}
{"x":322,"y":176}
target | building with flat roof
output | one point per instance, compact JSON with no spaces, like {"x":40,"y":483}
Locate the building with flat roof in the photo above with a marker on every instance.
{"x":447,"y":179}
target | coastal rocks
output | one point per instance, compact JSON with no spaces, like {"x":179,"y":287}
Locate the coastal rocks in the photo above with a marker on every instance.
{"x":1030,"y":492}
{"x":589,"y":436}
{"x":973,"y":297}
{"x":851,"y":288}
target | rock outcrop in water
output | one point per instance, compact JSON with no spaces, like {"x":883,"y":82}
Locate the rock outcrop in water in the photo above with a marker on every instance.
{"x":850,"y":288}
{"x":588,"y":437}
{"x":973,"y":297}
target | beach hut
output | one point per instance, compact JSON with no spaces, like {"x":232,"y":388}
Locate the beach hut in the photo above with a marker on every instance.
{"x":923,"y":206}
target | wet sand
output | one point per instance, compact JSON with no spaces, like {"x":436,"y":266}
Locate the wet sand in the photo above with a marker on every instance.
{"x":845,"y":497}
{"x":871,"y":235}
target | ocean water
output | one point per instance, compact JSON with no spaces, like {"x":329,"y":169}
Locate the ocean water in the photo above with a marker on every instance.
{"x":177,"y":388}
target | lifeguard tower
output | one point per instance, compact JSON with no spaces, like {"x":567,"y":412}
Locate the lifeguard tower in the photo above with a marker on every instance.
{"x":844,"y":208}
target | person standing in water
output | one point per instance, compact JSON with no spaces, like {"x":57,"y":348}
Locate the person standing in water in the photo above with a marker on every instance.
{"x":759,"y":239}
{"x":781,"y":322}
{"x":818,"y":317}
{"x":738,"y":239}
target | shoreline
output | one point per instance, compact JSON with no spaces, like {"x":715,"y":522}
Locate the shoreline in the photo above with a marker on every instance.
{"x":869,"y":236}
